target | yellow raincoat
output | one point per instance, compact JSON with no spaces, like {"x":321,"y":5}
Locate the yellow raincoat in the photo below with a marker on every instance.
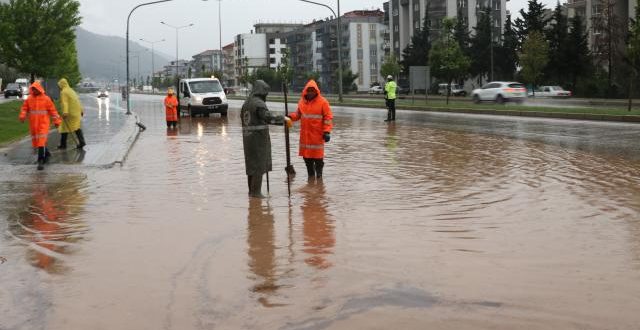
{"x":71,"y":108}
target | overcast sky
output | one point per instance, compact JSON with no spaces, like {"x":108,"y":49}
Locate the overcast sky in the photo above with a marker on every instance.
{"x":238,"y":16}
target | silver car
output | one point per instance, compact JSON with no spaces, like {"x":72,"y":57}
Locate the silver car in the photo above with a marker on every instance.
{"x":500,"y":92}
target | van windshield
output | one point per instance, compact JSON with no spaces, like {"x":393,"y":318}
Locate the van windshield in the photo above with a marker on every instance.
{"x":205,"y":86}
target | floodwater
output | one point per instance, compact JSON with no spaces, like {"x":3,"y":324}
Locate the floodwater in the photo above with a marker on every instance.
{"x":437,"y":221}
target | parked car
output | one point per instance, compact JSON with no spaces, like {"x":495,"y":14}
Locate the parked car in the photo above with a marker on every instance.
{"x":103,"y":94}
{"x":229,"y":90}
{"x":202,"y":96}
{"x":403,"y":90}
{"x":456,"y":90}
{"x":500,"y":92}
{"x":376,"y":89}
{"x":551,"y":91}
{"x":13,"y":89}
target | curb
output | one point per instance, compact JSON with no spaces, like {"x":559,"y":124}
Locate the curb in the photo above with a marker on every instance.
{"x":121,"y":143}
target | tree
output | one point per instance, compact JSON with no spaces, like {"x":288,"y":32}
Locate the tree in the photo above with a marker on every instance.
{"x":534,"y":57}
{"x":481,"y":46}
{"x":348,"y":79}
{"x":506,"y":60}
{"x":448,"y":62}
{"x":577,"y":45}
{"x":632,"y":51}
{"x":609,"y":35}
{"x":532,"y":20}
{"x":36,"y":34}
{"x":67,"y":65}
{"x":390,"y":67}
{"x":559,"y":55}
{"x":417,"y":51}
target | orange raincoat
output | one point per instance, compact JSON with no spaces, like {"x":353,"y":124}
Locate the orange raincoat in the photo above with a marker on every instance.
{"x":316,"y":119}
{"x":39,"y":108}
{"x":171,"y":107}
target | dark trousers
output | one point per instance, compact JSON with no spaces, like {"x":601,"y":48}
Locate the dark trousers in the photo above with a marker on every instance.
{"x":43,"y":154}
{"x":391,"y":106}
{"x":314,"y":167}
{"x":172,"y":123}
{"x":64,"y":137}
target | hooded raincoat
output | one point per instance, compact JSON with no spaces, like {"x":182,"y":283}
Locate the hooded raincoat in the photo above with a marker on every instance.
{"x":71,"y":107}
{"x":171,"y":107}
{"x":255,"y":130}
{"x":38,"y":108}
{"x":316,"y":119}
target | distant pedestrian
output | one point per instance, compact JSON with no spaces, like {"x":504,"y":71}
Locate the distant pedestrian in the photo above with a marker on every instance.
{"x":256,"y":119}
{"x":316,"y":119}
{"x":390,"y":97}
{"x":171,"y":108}
{"x":72,"y":114}
{"x":38,"y":108}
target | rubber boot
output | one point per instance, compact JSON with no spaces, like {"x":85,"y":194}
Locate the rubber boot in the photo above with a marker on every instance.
{"x":81,"y":142}
{"x":255,"y":188}
{"x":63,"y":140}
{"x":319,"y":166}
{"x":41,"y":156}
{"x":310,"y":167}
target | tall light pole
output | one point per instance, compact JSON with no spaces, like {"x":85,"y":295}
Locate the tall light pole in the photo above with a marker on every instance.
{"x":153,"y":67}
{"x":219,"y":32}
{"x":127,"y":51}
{"x":177,"y":28}
{"x":339,"y":31}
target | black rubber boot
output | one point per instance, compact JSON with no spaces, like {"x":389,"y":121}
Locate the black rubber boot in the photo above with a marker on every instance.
{"x":310,"y":167}
{"x":63,"y":140}
{"x":41,"y":158}
{"x":81,"y":142}
{"x":319,"y":165}
{"x":255,"y":186}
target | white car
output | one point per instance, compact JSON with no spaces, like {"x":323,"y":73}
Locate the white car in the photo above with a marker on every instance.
{"x":103,"y":94}
{"x":551,"y":91}
{"x":376,"y":90}
{"x":202,"y":96}
{"x":500,"y":92}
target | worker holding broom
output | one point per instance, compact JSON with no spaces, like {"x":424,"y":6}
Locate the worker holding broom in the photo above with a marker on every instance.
{"x":72,"y":114}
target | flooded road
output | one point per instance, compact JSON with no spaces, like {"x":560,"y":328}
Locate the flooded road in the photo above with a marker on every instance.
{"x":436,"y":221}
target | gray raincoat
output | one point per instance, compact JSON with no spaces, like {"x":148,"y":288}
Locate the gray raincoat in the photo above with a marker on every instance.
{"x":255,"y":130}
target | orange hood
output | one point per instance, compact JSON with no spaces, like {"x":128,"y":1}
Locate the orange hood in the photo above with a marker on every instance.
{"x":311,"y":83}
{"x":36,"y":85}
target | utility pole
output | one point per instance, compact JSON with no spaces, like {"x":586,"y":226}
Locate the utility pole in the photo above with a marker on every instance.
{"x":153,"y":67}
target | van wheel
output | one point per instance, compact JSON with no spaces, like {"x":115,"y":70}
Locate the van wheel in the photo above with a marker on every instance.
{"x":223,"y":114}
{"x":476,"y":99}
{"x":206,"y":114}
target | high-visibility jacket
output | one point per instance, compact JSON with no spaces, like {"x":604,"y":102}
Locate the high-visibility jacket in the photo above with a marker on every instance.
{"x":390,"y":90}
{"x":315,"y":119}
{"x":71,"y":106}
{"x":38,"y":109}
{"x":171,"y":107}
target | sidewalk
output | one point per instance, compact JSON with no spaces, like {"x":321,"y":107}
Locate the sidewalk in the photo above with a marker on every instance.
{"x":108,"y":131}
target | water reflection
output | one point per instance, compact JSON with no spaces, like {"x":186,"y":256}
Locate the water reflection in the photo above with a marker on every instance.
{"x":49,"y":221}
{"x":103,"y":104}
{"x":318,"y":227}
{"x":262,"y":250}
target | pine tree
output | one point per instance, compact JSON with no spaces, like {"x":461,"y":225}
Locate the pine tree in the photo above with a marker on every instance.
{"x":507,"y":56}
{"x":578,"y":47}
{"x":417,"y":51}
{"x":559,"y":55}
{"x":480,"y":47}
{"x":448,"y":62}
{"x":532,"y":20}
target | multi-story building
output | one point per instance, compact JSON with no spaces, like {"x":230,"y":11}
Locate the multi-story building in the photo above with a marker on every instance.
{"x":593,"y":12}
{"x":182,"y":67}
{"x":228,"y":65}
{"x":250,"y":53}
{"x":275,"y":36}
{"x":314,"y":49}
{"x":407,"y":16}
{"x":206,"y":62}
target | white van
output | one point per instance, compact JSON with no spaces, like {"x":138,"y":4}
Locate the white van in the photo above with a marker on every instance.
{"x":202,"y":96}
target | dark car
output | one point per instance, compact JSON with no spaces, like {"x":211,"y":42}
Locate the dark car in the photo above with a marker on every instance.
{"x":12,"y":90}
{"x":402,"y":89}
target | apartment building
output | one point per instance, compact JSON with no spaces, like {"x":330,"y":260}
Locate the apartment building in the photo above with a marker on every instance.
{"x":228,"y":65}
{"x":406,"y":16}
{"x":207,"y":61}
{"x":250,"y":53}
{"x":592,"y":11}
{"x":275,"y":36}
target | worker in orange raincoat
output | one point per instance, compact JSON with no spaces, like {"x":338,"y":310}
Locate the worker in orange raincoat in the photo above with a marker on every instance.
{"x":171,"y":108}
{"x":38,"y":107}
{"x":315,"y":128}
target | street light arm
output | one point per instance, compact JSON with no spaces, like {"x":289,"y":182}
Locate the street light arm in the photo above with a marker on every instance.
{"x":128,"y":20}
{"x":321,"y":4}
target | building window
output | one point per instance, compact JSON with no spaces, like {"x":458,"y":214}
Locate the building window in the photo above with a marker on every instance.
{"x":396,"y":28}
{"x":373,"y":52}
{"x":396,"y":44}
{"x":272,"y":41}
{"x":394,"y":12}
{"x":372,"y":32}
{"x":416,"y":25}
{"x":360,"y":54}
{"x":360,"y":72}
{"x":272,"y":60}
{"x":272,"y":50}
{"x":359,"y":29}
{"x":416,"y":6}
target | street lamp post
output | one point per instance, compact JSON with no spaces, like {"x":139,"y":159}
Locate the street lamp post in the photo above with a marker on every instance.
{"x":153,"y":67}
{"x":129,"y":19}
{"x":177,"y":28}
{"x":339,"y":31}
{"x":219,"y":32}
